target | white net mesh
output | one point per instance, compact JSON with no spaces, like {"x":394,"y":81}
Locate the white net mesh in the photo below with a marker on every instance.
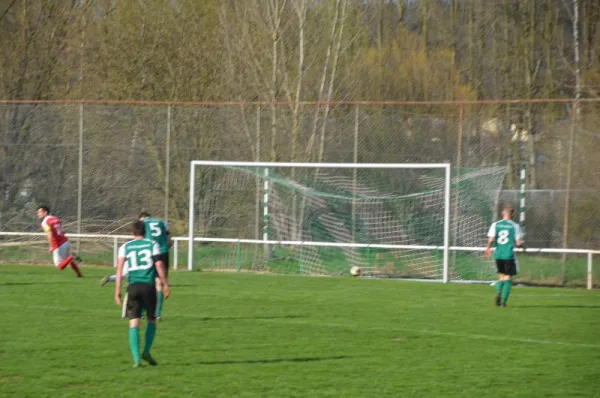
{"x":396,"y":215}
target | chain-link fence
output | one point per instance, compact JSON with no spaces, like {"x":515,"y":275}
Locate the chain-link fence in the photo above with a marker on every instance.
{"x":98,"y":165}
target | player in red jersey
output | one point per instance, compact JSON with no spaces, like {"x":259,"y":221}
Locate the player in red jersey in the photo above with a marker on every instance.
{"x":59,"y":244}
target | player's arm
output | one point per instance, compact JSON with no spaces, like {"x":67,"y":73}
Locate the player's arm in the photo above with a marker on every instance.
{"x":168,"y":233}
{"x":491,"y":240}
{"x":519,"y":237}
{"x":49,"y":238}
{"x":488,"y":248}
{"x":119,"y":275}
{"x":161,"y":270}
{"x":162,"y":276}
{"x":169,"y":240}
{"x":48,"y":232}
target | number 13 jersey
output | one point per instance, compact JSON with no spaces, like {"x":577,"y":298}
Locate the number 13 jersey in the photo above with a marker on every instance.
{"x":139,"y":255}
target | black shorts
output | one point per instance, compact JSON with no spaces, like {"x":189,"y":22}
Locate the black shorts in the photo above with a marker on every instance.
{"x":141,"y":296}
{"x":164,"y":257}
{"x":507,"y":267}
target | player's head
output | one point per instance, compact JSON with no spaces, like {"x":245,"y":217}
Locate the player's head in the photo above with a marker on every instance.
{"x":143,"y":215}
{"x":43,"y":211}
{"x":139,"y":229}
{"x":507,"y":211}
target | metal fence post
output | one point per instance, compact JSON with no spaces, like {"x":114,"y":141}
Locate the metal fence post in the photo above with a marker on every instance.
{"x":456,"y":213}
{"x":167,"y":163}
{"x":590,"y":276}
{"x":567,"y":206}
{"x":80,"y":177}
{"x":238,"y":256}
{"x":175,"y":253}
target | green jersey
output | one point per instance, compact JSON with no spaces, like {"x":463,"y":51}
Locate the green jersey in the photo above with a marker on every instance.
{"x":505,"y":234}
{"x":139,"y":257}
{"x":157,"y":231}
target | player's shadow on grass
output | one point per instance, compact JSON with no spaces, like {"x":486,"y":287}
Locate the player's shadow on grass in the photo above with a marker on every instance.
{"x":172,"y":285}
{"x":32,"y":283}
{"x":558,"y":306}
{"x":247,"y":318}
{"x":277,"y":360}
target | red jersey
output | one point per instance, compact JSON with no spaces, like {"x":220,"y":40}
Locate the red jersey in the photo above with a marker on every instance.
{"x":54,"y":225}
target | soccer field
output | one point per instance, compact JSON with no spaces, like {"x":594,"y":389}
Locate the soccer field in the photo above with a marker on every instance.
{"x":230,"y":335}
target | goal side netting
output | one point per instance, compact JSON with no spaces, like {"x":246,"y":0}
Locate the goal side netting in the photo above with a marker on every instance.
{"x":325,"y":219}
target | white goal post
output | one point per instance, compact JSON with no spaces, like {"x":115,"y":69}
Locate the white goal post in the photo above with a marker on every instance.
{"x":351,"y":194}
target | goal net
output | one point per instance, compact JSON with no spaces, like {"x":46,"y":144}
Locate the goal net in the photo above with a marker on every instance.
{"x":390,"y":220}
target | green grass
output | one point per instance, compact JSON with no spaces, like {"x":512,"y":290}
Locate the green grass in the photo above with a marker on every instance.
{"x":38,"y":254}
{"x":247,"y":335}
{"x":545,"y":269}
{"x":542,"y":269}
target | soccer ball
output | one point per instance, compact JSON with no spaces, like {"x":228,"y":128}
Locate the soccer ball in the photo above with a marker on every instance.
{"x":355,"y":271}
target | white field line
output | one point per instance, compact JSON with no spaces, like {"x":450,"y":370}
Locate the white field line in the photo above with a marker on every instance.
{"x":451,"y":334}
{"x":597,"y":296}
{"x":594,"y":295}
{"x":351,"y":327}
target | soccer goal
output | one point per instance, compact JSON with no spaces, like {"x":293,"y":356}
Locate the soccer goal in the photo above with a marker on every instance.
{"x":419,"y":221}
{"x":321,"y":218}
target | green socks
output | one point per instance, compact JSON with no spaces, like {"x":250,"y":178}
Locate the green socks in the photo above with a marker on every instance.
{"x":134,"y":343}
{"x":159,"y":303}
{"x":150,"y":333}
{"x":506,"y":290}
{"x":499,"y":286}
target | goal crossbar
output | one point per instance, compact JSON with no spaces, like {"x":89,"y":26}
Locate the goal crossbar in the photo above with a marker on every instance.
{"x":323,"y":165}
{"x":447,"y":185}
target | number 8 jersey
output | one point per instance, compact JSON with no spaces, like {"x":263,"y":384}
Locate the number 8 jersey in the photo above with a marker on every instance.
{"x":139,"y":255}
{"x":505,"y":233}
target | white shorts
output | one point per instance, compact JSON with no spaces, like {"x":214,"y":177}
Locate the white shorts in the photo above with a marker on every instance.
{"x":60,"y":254}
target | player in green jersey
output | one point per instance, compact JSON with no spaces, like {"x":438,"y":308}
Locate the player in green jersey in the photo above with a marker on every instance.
{"x":505,"y":235}
{"x":140,"y":258}
{"x":157,"y":230}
